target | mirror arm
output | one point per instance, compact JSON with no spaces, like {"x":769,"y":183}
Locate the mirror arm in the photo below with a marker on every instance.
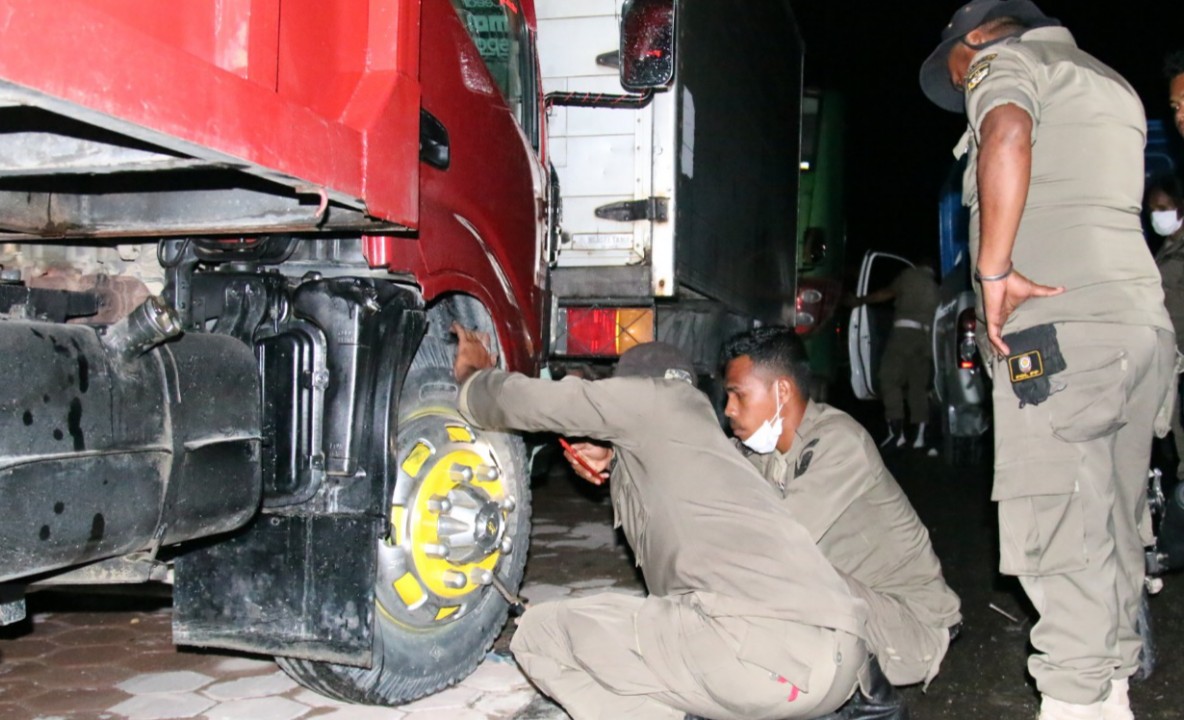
{"x":599,"y":100}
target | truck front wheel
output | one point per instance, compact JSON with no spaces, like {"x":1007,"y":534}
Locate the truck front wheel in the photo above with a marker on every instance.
{"x":460,"y":514}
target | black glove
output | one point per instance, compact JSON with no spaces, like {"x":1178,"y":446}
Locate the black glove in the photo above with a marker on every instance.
{"x":1035,"y":357}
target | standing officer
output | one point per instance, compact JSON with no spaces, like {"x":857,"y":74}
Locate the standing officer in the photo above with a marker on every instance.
{"x":745,"y":617}
{"x":1054,"y":184}
{"x":907,"y":365}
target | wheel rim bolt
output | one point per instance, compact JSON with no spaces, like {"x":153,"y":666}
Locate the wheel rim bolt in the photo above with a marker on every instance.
{"x":481,"y":576}
{"x":507,"y":545}
{"x":455,"y":580}
{"x":461,"y":473}
{"x":439,"y":504}
{"x":437,"y":551}
{"x":488,"y":473}
{"x":509,"y":504}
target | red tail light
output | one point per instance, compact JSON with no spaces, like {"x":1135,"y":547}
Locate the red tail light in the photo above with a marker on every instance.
{"x":967,"y":348}
{"x":816,"y":301}
{"x":601,"y":331}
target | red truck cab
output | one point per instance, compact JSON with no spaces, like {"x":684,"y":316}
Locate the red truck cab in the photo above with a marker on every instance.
{"x":233,"y":237}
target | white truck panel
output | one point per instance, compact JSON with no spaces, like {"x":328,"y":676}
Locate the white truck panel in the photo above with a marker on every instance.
{"x":602,"y":155}
{"x":577,"y":8}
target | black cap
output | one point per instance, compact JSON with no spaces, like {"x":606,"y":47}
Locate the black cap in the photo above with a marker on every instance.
{"x":935,"y":74}
{"x":656,"y":360}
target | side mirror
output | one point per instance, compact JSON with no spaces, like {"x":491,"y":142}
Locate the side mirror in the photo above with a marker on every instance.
{"x":647,"y":44}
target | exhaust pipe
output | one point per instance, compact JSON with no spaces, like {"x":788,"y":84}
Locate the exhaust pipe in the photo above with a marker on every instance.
{"x":144,"y":328}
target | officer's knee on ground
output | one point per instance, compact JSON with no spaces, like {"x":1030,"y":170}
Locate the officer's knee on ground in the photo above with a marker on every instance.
{"x":538,"y":621}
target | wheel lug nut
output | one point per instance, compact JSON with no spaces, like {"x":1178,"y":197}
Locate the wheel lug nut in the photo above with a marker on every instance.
{"x":436,"y":551}
{"x":488,"y":473}
{"x":439,"y":504}
{"x":461,"y":473}
{"x":481,"y":576}
{"x":509,"y":504}
{"x":455,"y":580}
{"x":507,"y":545}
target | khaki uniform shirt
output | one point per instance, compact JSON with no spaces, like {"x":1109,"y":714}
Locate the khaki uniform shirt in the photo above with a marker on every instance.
{"x":1080,"y":228}
{"x":1170,"y":260}
{"x":916,"y":296}
{"x":834,"y":481}
{"x":699,"y":518}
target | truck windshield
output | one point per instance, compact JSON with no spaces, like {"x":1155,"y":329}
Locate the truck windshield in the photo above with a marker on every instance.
{"x":500,"y":33}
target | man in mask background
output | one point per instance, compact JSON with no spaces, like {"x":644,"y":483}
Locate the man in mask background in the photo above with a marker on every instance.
{"x":1083,"y":351}
{"x":1165,"y":208}
{"x":826,"y":469}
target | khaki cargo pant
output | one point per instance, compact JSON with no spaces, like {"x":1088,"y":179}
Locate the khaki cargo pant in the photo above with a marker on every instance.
{"x":908,"y":650}
{"x":1070,"y":480}
{"x":905,"y":370}
{"x":589,"y":656}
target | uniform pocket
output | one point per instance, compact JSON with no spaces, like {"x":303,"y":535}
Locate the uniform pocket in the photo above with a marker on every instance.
{"x":1041,"y":535}
{"x":1093,"y":403}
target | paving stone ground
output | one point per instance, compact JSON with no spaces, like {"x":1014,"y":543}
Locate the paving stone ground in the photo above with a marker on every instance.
{"x":109,"y":656}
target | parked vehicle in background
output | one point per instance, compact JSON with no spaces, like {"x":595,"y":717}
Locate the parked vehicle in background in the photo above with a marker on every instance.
{"x":822,"y":236}
{"x":234,"y":236}
{"x":678,"y":214}
{"x":961,"y":386}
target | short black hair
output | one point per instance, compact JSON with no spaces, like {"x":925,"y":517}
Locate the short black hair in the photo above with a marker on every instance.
{"x":775,"y":348}
{"x":1173,"y":64}
{"x":1169,"y":185}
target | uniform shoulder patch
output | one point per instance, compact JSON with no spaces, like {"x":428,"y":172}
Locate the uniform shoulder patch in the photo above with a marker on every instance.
{"x":979,"y":71}
{"x":803,"y":463}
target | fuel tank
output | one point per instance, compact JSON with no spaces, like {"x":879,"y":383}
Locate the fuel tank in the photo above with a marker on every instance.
{"x":114,"y":440}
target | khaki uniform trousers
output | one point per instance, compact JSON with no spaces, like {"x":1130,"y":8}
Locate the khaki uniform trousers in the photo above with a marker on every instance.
{"x":1071,"y":479}
{"x":588,"y":655}
{"x":908,"y":650}
{"x":905,"y":369}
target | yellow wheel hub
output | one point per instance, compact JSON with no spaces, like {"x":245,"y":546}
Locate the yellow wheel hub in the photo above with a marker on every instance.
{"x":451,"y":526}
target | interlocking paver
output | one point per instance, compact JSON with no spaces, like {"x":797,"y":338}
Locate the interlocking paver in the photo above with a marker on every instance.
{"x":454,"y":697}
{"x":162,"y":706}
{"x":496,"y":676}
{"x":166,"y":682}
{"x":357,"y":712}
{"x":270,"y":708}
{"x":448,"y":714}
{"x":251,"y":687}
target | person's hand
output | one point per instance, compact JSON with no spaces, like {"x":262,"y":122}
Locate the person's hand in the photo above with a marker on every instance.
{"x":1002,"y":297}
{"x":599,"y":457}
{"x":472,"y":352}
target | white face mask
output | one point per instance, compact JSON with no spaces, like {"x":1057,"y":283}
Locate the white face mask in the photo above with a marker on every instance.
{"x":1166,"y":222}
{"x":764,"y":440}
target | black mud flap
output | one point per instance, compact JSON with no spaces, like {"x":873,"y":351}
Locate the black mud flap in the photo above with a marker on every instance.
{"x":296,"y":586}
{"x":298,"y":581}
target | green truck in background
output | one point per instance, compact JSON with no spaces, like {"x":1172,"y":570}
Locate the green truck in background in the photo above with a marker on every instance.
{"x":821,"y":235}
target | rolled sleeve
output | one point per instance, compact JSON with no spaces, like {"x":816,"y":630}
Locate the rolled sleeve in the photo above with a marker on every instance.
{"x":1000,"y":77}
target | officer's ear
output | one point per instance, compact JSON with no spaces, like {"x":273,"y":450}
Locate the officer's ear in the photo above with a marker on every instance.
{"x":786,"y":389}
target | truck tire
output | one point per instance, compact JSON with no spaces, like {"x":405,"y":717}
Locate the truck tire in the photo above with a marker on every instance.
{"x":435,"y":617}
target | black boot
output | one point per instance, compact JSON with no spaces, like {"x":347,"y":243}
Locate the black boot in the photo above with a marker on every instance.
{"x":874,"y":699}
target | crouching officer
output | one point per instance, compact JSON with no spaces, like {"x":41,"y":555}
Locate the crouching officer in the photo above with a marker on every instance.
{"x":827,"y":469}
{"x":745,"y":618}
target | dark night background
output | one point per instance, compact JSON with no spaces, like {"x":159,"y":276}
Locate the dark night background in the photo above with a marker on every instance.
{"x":899,"y":144}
